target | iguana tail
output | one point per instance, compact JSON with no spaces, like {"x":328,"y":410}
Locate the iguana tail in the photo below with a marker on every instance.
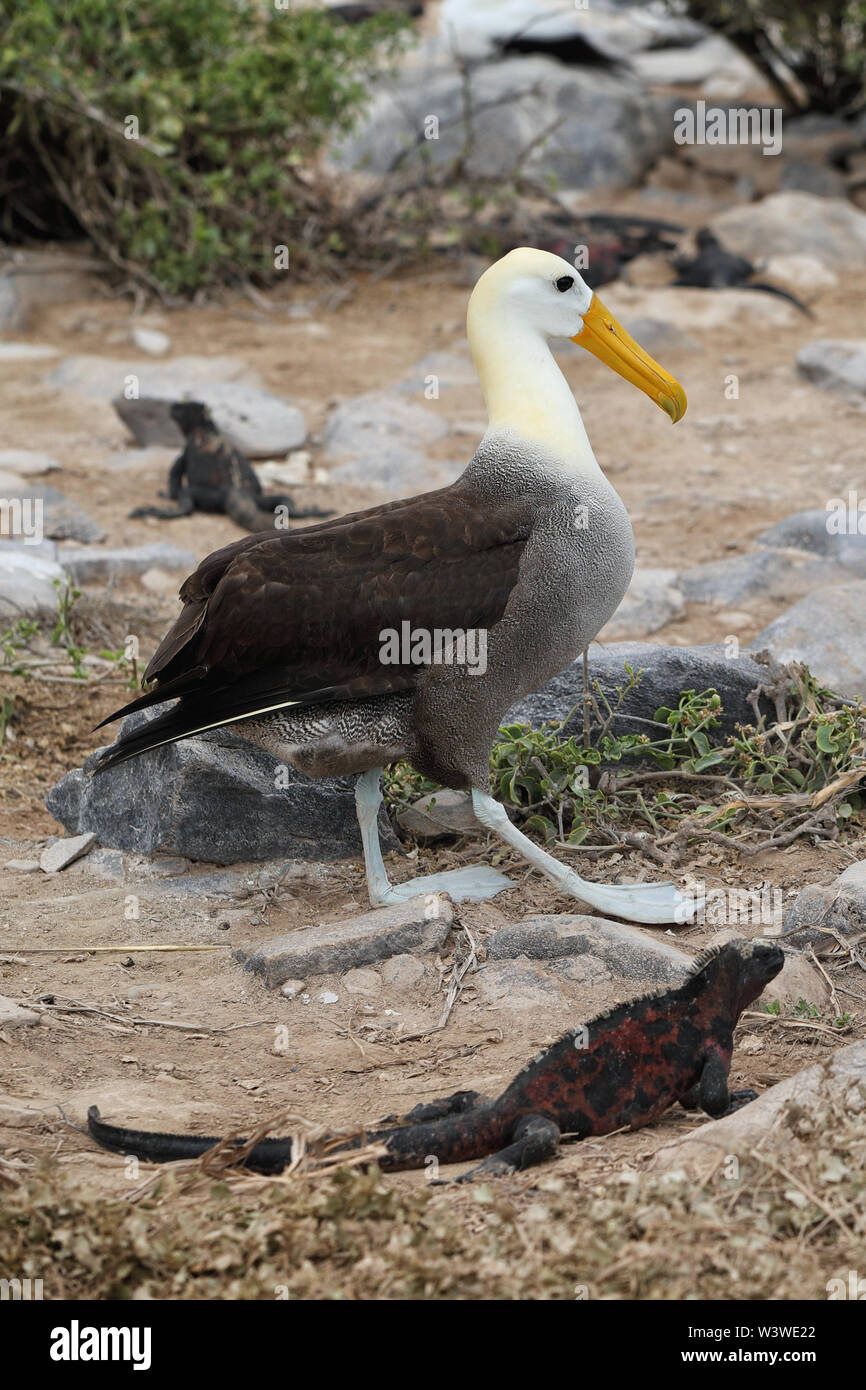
{"x":257,"y":513}
{"x":268,"y":1156}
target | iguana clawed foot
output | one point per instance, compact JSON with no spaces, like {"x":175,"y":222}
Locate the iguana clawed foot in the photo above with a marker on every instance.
{"x":536,"y":1138}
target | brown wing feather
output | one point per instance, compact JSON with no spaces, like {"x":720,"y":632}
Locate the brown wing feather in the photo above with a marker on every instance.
{"x":303,"y":611}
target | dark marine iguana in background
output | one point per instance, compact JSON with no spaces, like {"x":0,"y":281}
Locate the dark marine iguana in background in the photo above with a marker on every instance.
{"x":714,"y":268}
{"x":211,"y":475}
{"x":623,"y":1069}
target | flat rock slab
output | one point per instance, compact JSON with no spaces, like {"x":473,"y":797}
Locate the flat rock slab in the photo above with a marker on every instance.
{"x":696,"y":310}
{"x":27,"y":462}
{"x":258,"y":423}
{"x":26,"y":583}
{"x":25,"y":352}
{"x":173,"y":800}
{"x":12,"y":1015}
{"x":88,"y":565}
{"x":766,"y":573}
{"x":841,"y":1077}
{"x":421,"y":924}
{"x":62,"y":519}
{"x":517,"y":984}
{"x":436,"y":372}
{"x":628,"y":952}
{"x":148,"y":419}
{"x":56,"y":856}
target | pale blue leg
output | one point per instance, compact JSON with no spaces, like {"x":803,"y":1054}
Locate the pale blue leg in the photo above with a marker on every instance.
{"x":647,"y":903}
{"x":476,"y":883}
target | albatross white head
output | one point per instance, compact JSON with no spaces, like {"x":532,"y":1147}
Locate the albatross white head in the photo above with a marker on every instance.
{"x":523,"y":300}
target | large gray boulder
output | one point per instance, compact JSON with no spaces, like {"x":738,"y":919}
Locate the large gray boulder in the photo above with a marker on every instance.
{"x":258,"y":423}
{"x":714,"y":60}
{"x":735,"y":578}
{"x":213,"y":798}
{"x":628,"y":952}
{"x":820,"y":910}
{"x":584,"y":126}
{"x":818,"y":532}
{"x":767,"y":573}
{"x":825,"y":630}
{"x":835,"y":364}
{"x":666,"y":672}
{"x":379,"y":437}
{"x":653,"y":599}
{"x":792,"y":223}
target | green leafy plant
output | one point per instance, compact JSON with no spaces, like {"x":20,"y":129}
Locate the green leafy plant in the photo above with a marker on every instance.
{"x":62,"y":634}
{"x":813,"y":54}
{"x":179,"y":135}
{"x":659,"y":791}
{"x":16,"y":638}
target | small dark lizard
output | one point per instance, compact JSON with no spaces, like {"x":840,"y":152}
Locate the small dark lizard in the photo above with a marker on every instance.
{"x":621,"y":1070}
{"x":211,"y":475}
{"x":715,"y":268}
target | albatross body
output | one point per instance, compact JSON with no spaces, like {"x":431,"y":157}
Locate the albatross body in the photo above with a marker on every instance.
{"x":524,"y":558}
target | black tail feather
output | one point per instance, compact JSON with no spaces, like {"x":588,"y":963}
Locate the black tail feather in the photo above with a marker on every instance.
{"x":175,"y":724}
{"x":168,"y":690}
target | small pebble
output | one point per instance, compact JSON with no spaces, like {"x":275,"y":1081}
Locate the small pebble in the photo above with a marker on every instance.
{"x":292,"y":988}
{"x":403,"y":972}
{"x":150,"y":340}
{"x":328,"y":996}
{"x":362,"y":981}
{"x":22,"y":866}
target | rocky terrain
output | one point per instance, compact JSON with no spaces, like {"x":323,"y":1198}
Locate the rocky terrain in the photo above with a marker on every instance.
{"x":187,"y":942}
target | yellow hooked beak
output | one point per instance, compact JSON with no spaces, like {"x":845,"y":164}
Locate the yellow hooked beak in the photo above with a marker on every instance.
{"x":606,"y":339}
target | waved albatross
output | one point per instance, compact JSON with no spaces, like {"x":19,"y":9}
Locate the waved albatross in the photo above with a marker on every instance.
{"x":530,"y":549}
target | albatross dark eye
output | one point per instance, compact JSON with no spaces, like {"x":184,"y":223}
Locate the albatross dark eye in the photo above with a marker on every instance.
{"x":564,"y":283}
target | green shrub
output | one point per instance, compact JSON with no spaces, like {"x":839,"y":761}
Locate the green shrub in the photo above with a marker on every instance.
{"x":178,"y":135}
{"x":821,"y":43}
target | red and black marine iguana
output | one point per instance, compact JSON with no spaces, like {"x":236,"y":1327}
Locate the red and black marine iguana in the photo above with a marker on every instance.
{"x":622,"y":1069}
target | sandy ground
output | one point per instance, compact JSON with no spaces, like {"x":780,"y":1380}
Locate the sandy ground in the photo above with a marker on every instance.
{"x":693,"y":495}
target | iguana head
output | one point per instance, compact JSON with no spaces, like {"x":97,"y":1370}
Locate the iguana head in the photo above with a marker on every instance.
{"x":191,"y":415}
{"x":742,"y":968}
{"x":760,"y":962}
